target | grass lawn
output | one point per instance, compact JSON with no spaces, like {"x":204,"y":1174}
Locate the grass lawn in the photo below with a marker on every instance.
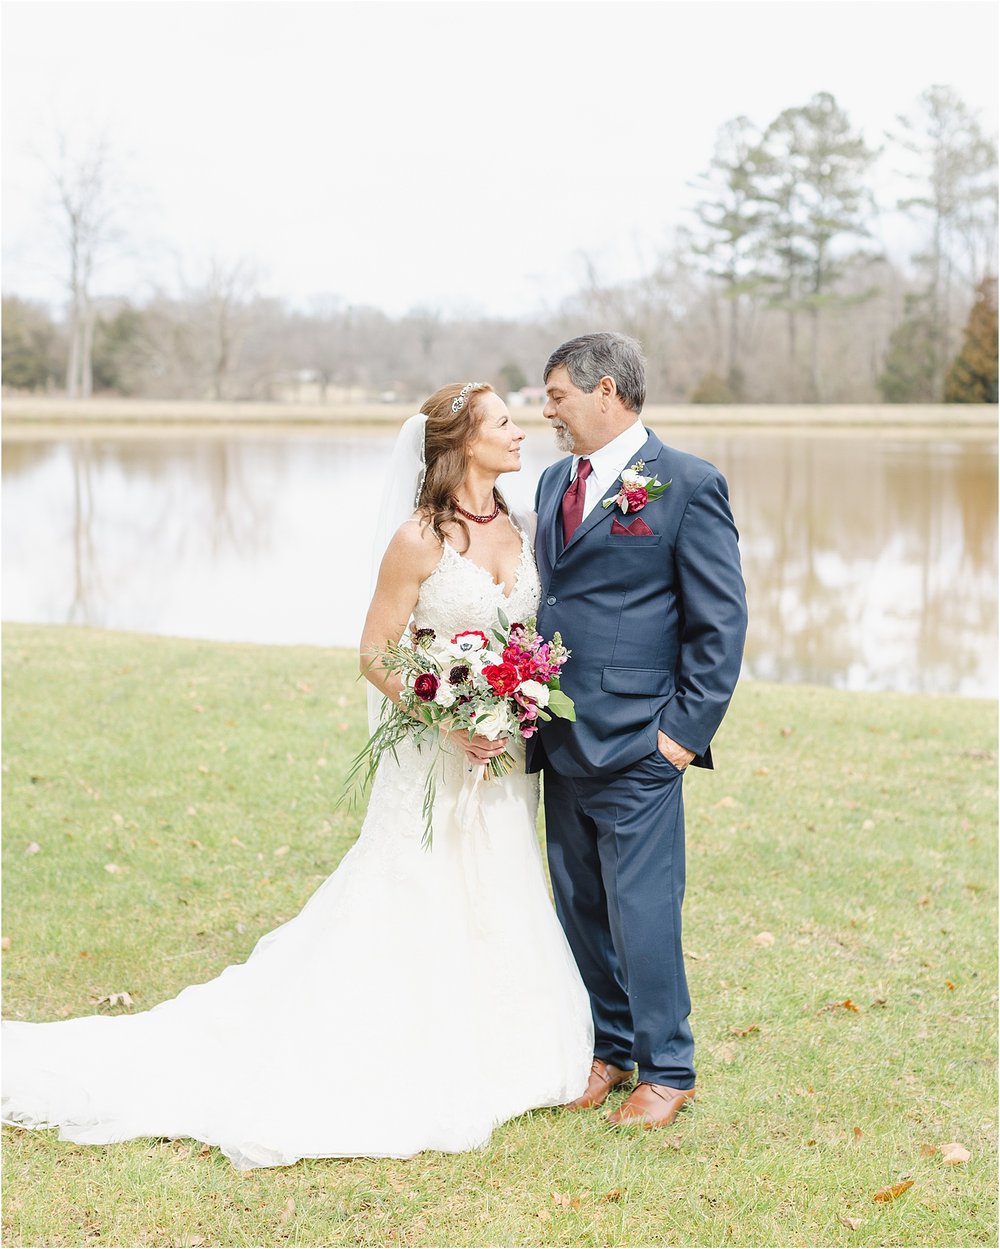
{"x":167,"y":802}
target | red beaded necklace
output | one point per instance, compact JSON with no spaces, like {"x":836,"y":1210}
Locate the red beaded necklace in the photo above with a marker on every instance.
{"x":480,"y":520}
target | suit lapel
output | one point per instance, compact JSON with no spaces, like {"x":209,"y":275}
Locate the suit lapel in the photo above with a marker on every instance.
{"x":648,"y":453}
{"x":550,"y":518}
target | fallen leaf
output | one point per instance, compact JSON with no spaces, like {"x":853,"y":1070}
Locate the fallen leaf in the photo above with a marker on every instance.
{"x":235,"y":841}
{"x":116,"y":999}
{"x":953,"y":1153}
{"x":928,"y":1151}
{"x":113,"y":868}
{"x":764,"y":939}
{"x":613,"y":1194}
{"x":202,"y":767}
{"x":846,"y":1004}
{"x":744,"y":1031}
{"x":853,"y":1224}
{"x":857,"y":1134}
{"x":116,"y":819}
{"x":304,"y":687}
{"x":728,"y":801}
{"x":950,"y":986}
{"x":32,"y":847}
{"x":287,"y":1210}
{"x":761,"y":772}
{"x":893,"y":1191}
{"x":282,"y":850}
{"x":192,"y":810}
{"x":568,"y":1202}
{"x":786,"y":731}
{"x":5,"y":943}
{"x":867,"y":825}
{"x":544,"y":1215}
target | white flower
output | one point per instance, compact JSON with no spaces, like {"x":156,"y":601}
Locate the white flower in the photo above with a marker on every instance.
{"x":445,"y":695}
{"x":536,"y":691}
{"x":634,"y":481}
{"x":494,"y":723}
{"x":488,"y":657}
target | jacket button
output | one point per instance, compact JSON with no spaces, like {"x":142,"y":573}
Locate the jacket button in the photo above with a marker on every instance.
{"x":551,"y":599}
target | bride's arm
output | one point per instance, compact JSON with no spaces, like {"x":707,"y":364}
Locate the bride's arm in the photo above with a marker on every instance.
{"x":409,"y":560}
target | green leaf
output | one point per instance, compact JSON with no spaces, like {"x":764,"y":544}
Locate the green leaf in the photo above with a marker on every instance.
{"x":504,"y":622}
{"x":561,"y":705}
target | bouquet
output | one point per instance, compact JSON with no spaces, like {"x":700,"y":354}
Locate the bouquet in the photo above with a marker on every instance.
{"x":495,"y":687}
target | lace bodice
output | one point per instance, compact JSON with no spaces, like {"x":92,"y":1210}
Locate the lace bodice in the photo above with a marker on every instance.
{"x":460,"y":594}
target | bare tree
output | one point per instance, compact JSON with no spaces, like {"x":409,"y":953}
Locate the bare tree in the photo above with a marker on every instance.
{"x":82,"y":180}
{"x":956,"y":193}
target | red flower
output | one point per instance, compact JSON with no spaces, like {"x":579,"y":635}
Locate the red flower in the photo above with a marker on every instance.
{"x":503,"y":678}
{"x":637,"y":498}
{"x":426,"y":686}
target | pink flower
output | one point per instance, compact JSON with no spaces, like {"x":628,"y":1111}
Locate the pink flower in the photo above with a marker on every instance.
{"x":426,"y":686}
{"x":636,"y":499}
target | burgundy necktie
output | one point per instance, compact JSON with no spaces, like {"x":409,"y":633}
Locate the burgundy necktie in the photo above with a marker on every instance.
{"x":572,"y":501}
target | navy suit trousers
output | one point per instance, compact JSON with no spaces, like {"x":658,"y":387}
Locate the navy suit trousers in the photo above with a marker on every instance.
{"x":616,"y":857}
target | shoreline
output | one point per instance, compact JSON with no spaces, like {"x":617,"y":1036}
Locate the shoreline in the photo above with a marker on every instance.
{"x":29,"y":419}
{"x":131,"y":636}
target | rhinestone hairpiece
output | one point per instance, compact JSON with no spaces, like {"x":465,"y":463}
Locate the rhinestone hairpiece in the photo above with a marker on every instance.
{"x":458,"y":403}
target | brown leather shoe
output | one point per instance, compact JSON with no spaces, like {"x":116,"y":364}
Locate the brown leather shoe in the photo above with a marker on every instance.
{"x":652,"y":1105}
{"x":603,"y":1078}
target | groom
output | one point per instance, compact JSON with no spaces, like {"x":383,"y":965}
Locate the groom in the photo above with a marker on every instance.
{"x":648,"y":595}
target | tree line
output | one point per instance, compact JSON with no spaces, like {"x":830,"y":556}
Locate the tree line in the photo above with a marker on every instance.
{"x":780,"y":289}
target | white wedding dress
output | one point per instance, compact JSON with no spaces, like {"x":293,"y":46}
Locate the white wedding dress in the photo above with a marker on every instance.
{"x":419,"y":998}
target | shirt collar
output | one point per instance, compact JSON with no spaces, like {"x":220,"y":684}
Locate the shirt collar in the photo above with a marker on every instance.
{"x":608,"y":462}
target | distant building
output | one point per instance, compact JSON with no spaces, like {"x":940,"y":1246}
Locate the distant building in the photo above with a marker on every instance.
{"x":527,"y":395}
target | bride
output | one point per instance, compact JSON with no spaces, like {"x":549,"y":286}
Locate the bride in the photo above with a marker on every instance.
{"x":421,"y":997}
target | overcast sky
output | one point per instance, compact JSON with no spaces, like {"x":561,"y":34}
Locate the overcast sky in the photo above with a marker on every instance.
{"x":459,"y":155}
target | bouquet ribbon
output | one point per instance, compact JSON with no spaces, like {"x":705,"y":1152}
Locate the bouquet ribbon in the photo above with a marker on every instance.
{"x":460,"y":825}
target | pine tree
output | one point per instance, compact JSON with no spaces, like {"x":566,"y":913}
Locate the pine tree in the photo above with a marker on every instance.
{"x":908,"y":371}
{"x":972,"y":377}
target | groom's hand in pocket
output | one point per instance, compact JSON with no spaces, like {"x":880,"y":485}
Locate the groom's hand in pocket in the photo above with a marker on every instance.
{"x":673,"y":751}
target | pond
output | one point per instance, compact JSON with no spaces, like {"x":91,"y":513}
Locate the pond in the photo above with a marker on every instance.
{"x":870,"y":560}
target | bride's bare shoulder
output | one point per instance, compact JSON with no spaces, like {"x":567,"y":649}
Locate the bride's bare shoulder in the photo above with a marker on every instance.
{"x":415,"y":543}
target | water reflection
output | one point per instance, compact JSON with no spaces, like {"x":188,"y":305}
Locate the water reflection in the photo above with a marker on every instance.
{"x":870,"y":561}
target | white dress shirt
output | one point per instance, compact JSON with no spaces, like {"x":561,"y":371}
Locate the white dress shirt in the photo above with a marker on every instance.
{"x":607,"y":464}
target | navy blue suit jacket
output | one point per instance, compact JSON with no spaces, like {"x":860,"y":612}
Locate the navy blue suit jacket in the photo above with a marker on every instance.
{"x":655,"y":623}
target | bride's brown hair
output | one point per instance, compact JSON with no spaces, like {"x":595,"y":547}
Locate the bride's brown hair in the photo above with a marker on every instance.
{"x":446,"y":453}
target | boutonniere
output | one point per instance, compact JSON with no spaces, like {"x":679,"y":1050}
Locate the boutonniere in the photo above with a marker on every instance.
{"x":636,"y":490}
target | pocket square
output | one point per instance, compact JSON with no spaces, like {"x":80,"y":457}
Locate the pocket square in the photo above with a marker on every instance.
{"x":637,"y":529}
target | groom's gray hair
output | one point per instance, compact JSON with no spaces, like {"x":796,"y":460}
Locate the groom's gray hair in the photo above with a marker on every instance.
{"x":593,"y":356}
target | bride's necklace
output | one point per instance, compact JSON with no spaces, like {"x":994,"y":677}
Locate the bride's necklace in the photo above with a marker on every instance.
{"x":480,"y":520}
